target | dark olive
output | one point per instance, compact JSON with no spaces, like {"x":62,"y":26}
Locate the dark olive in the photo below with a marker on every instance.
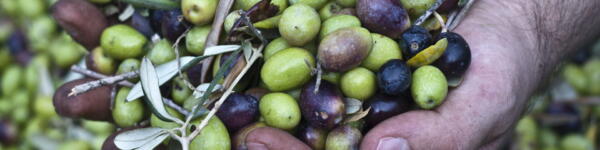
{"x":344,"y":49}
{"x":343,"y":138}
{"x":82,"y":20}
{"x":571,"y":126}
{"x":394,"y":77}
{"x":172,"y":24}
{"x":141,"y":24}
{"x":384,"y":106}
{"x":109,"y":143}
{"x":581,"y":56}
{"x":238,"y":110}
{"x":91,"y":105}
{"x":456,"y":59}
{"x":257,"y":92}
{"x":194,"y":74}
{"x":323,"y":109}
{"x":8,"y":133}
{"x":156,"y":18}
{"x":313,"y":137}
{"x":387,"y":17}
{"x":239,"y":139}
{"x":448,"y":6}
{"x":414,"y":40}
{"x":17,"y":45}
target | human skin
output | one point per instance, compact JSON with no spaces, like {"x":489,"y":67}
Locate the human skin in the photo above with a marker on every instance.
{"x":514,"y":45}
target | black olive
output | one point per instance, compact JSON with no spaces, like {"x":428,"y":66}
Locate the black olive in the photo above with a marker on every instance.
{"x":456,"y":59}
{"x":323,"y":109}
{"x":564,"y":128}
{"x":141,"y":24}
{"x":173,"y":25}
{"x":581,"y":56}
{"x":313,"y":137}
{"x":194,"y":74}
{"x":415,"y":39}
{"x":237,"y":111}
{"x":384,"y":106}
{"x":156,"y":18}
{"x":394,"y":77}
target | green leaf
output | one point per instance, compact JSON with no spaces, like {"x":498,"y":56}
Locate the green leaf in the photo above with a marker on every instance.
{"x":149,"y":80}
{"x":138,"y":137}
{"x":165,"y":73}
{"x":215,"y":50}
{"x":154,"y":4}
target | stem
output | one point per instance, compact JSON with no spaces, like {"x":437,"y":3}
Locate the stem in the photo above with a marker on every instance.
{"x":213,"y":36}
{"x":102,"y":82}
{"x":461,"y":14}
{"x":96,"y":75}
{"x":173,"y":105}
{"x":429,"y":11}
{"x":441,"y":20}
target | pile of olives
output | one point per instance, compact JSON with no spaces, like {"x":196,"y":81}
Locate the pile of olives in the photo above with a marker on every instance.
{"x":325,"y":63}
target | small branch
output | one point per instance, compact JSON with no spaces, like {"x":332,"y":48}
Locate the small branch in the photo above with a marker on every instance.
{"x":461,"y":14}
{"x":441,"y":20}
{"x":113,"y":93}
{"x":319,"y":78}
{"x":429,"y":11}
{"x":213,"y":36}
{"x":173,"y":105}
{"x":234,"y":72}
{"x":96,"y":75}
{"x":102,"y":82}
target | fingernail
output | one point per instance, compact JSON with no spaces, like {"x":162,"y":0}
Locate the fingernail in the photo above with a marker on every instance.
{"x":256,"y":146}
{"x":392,"y":143}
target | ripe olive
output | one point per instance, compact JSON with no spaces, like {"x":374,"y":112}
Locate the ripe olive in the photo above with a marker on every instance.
{"x":275,"y":46}
{"x":384,"y":49}
{"x":196,"y":38}
{"x":8,"y":132}
{"x":313,"y":137}
{"x":11,"y":80}
{"x":82,"y":20}
{"x":141,"y":24}
{"x":122,"y":42}
{"x":323,"y":109}
{"x":415,"y":39}
{"x":343,"y":138}
{"x":287,"y":69}
{"x":456,"y":58}
{"x":359,"y":83}
{"x":239,"y":139}
{"x":91,"y":105}
{"x":448,"y":6}
{"x":238,"y":110}
{"x":344,"y":49}
{"x":280,"y":110}
{"x":161,"y":52}
{"x":171,"y":24}
{"x":416,"y":8}
{"x":299,"y":24}
{"x":214,"y":136}
{"x":109,"y":143}
{"x":338,"y":22}
{"x":316,"y":4}
{"x":127,"y":114}
{"x":385,"y":106}
{"x":387,"y":17}
{"x":100,"y":62}
{"x":429,"y":87}
{"x":394,"y":77}
{"x":194,"y":74}
{"x":592,"y":70}
{"x":199,"y":12}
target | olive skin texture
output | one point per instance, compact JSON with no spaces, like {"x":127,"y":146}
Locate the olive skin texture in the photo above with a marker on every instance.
{"x":287,"y":69}
{"x":230,"y":20}
{"x":343,"y":138}
{"x":91,"y":105}
{"x":324,"y":109}
{"x":456,"y":59}
{"x":346,"y":3}
{"x":238,"y":110}
{"x":344,"y":49}
{"x":316,"y":4}
{"x":280,"y":110}
{"x":99,"y":62}
{"x":129,"y":65}
{"x":313,"y":137}
{"x":214,"y":136}
{"x":448,"y":6}
{"x":194,"y":74}
{"x":384,"y":49}
{"x":82,"y":20}
{"x":127,"y":114}
{"x":415,"y":39}
{"x":157,"y":122}
{"x":299,"y":24}
{"x":576,"y":77}
{"x":333,"y":77}
{"x":385,"y":106}
{"x":171,"y":26}
{"x":65,"y":52}
{"x":416,"y":8}
{"x":122,"y":42}
{"x":394,"y":77}
{"x":359,"y":83}
{"x":180,"y":91}
{"x":239,"y":139}
{"x":199,"y":12}
{"x":329,"y":10}
{"x":161,"y":52}
{"x":11,"y":80}
{"x":576,"y":142}
{"x":338,"y":22}
{"x":75,"y":144}
{"x":196,"y":38}
{"x":275,"y":46}
{"x":429,"y":87}
{"x":387,"y":17}
{"x":247,"y":4}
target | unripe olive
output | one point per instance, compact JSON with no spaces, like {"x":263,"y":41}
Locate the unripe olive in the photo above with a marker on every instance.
{"x":576,"y":77}
{"x":100,"y":62}
{"x":231,"y":18}
{"x":275,"y":46}
{"x":157,"y":122}
{"x":32,"y":78}
{"x":592,"y":69}
{"x":75,"y":144}
{"x":180,"y":91}
{"x":20,"y":114}
{"x":32,"y":8}
{"x":429,"y":87}
{"x":247,"y":4}
{"x":576,"y":142}
{"x":329,"y":10}
{"x":122,"y":42}
{"x":346,"y":3}
{"x":384,"y":49}
{"x":323,"y":109}
{"x":416,"y":8}
{"x":5,"y":58}
{"x":92,"y":105}
{"x":65,"y":52}
{"x":199,"y":12}
{"x":280,"y":110}
{"x":11,"y":80}
{"x":333,"y":77}
{"x":312,"y":136}
{"x":299,"y":24}
{"x":338,"y":22}
{"x":214,"y":136}
{"x":9,"y":7}
{"x":127,"y":114}
{"x":129,"y":65}
{"x":196,"y":38}
{"x":316,"y":4}
{"x":41,"y":30}
{"x":34,"y":126}
{"x":161,"y":52}
{"x":287,"y":69}
{"x":344,"y":49}
{"x":98,"y":127}
{"x":359,"y":83}
{"x":43,"y":107}
{"x":343,"y":138}
{"x":82,"y":20}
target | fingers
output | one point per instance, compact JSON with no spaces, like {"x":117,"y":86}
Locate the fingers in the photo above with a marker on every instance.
{"x":267,"y":138}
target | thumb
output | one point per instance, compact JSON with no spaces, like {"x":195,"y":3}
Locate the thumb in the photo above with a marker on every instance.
{"x":267,"y":138}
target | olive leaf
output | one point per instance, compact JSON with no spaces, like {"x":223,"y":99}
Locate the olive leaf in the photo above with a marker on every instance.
{"x":202,"y":88}
{"x":139,"y":138}
{"x":149,"y":80}
{"x":165,"y":73}
{"x":127,"y":13}
{"x":154,"y":4}
{"x":247,"y":48}
{"x":357,"y":116}
{"x":215,"y":50}
{"x":352,"y":105}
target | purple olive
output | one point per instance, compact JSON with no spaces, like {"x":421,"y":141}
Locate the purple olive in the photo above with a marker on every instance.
{"x":141,"y":24}
{"x":17,"y":45}
{"x":323,"y":109}
{"x":8,"y":133}
{"x":571,"y":126}
{"x":173,"y":25}
{"x":456,"y":59}
{"x":156,"y":18}
{"x":394,"y":77}
{"x":343,"y":137}
{"x":387,"y":17}
{"x":383,"y":107}
{"x":313,"y":137}
{"x":194,"y":74}
{"x":448,"y":6}
{"x":82,"y":20}
{"x":238,"y":110}
{"x":414,"y":40}
{"x":91,"y":105}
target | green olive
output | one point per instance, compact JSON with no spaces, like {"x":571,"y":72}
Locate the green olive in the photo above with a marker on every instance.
{"x":98,"y":61}
{"x":161,"y":52}
{"x":180,"y":90}
{"x":99,"y":1}
{"x":43,"y":107}
{"x":98,"y":127}
{"x":11,"y":80}
{"x":295,"y":93}
{"x":34,"y":126}
{"x":280,"y":110}
{"x":576,"y":142}
{"x":32,"y":8}
{"x":592,"y":69}
{"x":196,"y":38}
{"x":32,"y":78}
{"x":576,"y":77}
{"x":10,"y":7}
{"x":230,"y":20}
{"x":66,"y":52}
{"x":129,"y":65}
{"x":127,"y":114}
{"x":122,"y":42}
{"x":5,"y":106}
{"x":384,"y":49}
{"x":416,"y":8}
{"x":157,"y":122}
{"x":429,"y":87}
{"x":337,"y":22}
{"x":247,"y":4}
{"x":78,"y":144}
{"x":287,"y":69}
{"x":199,"y":12}
{"x":526,"y":129}
{"x":269,"y":23}
{"x":316,"y":4}
{"x":41,"y":30}
{"x":275,"y":46}
{"x":333,"y":77}
{"x":346,"y":3}
{"x":329,"y":10}
{"x":359,"y":83}
{"x":5,"y":58}
{"x":213,"y":137}
{"x":299,"y":24}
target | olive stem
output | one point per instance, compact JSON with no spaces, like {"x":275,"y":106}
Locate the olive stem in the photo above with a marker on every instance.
{"x":461,"y":14}
{"x":173,"y":105}
{"x":213,"y":36}
{"x":102,"y":82}
{"x":177,"y":57}
{"x":319,"y":77}
{"x":441,"y":20}
{"x":97,"y":75}
{"x":429,"y":11}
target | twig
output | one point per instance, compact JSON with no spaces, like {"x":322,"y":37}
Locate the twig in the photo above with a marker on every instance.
{"x":461,"y":14}
{"x":319,"y":78}
{"x":234,"y":72}
{"x":173,"y":105}
{"x":441,"y":20}
{"x":583,"y":101}
{"x":177,"y":57}
{"x":113,"y":93}
{"x":429,"y":11}
{"x":213,"y":36}
{"x":102,"y":82}
{"x":96,"y":75}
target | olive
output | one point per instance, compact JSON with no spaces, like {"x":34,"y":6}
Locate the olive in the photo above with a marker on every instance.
{"x":415,"y":39}
{"x":280,"y":110}
{"x":239,"y":139}
{"x":199,"y":12}
{"x":416,"y":8}
{"x":576,"y":142}
{"x":333,"y":77}
{"x":384,"y":107}
{"x":171,"y":24}
{"x":269,"y":23}
{"x":299,"y":24}
{"x":8,"y":132}
{"x":316,"y":4}
{"x":571,"y":126}
{"x":343,"y":138}
{"x":220,"y":60}
{"x":17,"y":43}
{"x":11,"y":80}
{"x":214,"y":136}
{"x":324,"y":108}
{"x":526,"y":129}
{"x":275,"y":46}
{"x":75,"y":144}
{"x":109,"y":143}
{"x":231,"y":18}
{"x":313,"y":137}
{"x":41,"y":31}
{"x":387,"y":17}
{"x":82,"y":20}
{"x":287,"y":69}
{"x":257,"y":92}
{"x":330,"y":9}
{"x":196,"y":38}
{"x":295,"y":93}
{"x":359,"y":83}
{"x":180,"y":91}
{"x":141,"y":24}
{"x":247,"y":4}
{"x":98,"y":127}
{"x":91,"y":105}
{"x":238,"y":110}
{"x":448,"y":6}
{"x":593,"y":74}
{"x":338,"y":22}
{"x":20,"y":115}
{"x":429,"y":87}
{"x":99,"y":62}
{"x":43,"y":107}
{"x":344,"y":49}
{"x":99,"y":1}
{"x":65,"y":52}
{"x":129,"y":65}
{"x":122,"y":42}
{"x":155,"y":18}
{"x":456,"y":58}
{"x":346,"y":3}
{"x":161,"y":52}
{"x":547,"y":139}
{"x":384,"y":49}
{"x":194,"y":74}
{"x":394,"y":77}
{"x":157,"y":122}
{"x":9,"y":7}
{"x":32,"y":8}
{"x":5,"y":58}
{"x":127,"y":114}
{"x":576,"y":77}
